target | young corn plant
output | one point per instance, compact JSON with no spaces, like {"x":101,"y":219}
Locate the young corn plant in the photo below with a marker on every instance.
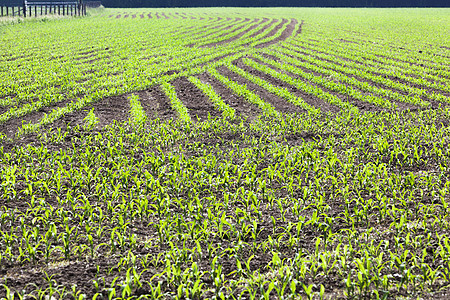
{"x":90,"y":121}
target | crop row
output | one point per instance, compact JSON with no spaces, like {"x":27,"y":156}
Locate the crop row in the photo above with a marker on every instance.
{"x":384,"y":63}
{"x":118,"y":198}
{"x":251,"y":202}
{"x":323,"y":69}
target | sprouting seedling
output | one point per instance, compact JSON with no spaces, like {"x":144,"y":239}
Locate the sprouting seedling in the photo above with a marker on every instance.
{"x":138,"y":115}
{"x":90,"y":121}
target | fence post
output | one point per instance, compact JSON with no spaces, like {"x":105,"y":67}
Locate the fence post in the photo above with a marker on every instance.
{"x":25,"y":8}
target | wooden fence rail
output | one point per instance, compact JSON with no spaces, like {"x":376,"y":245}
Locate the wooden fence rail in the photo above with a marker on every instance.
{"x":36,"y":8}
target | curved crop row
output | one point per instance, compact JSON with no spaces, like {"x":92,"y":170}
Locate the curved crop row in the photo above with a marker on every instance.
{"x":324,"y":69}
{"x":370,"y":58}
{"x":227,"y":111}
{"x":302,"y":85}
{"x":242,"y":91}
{"x":278,"y":91}
{"x":369,"y":70}
{"x":331,"y":85}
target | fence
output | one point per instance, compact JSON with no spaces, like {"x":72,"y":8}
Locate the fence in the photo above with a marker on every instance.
{"x":28,"y":8}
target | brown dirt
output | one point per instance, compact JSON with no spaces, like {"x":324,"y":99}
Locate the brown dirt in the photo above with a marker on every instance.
{"x":115,"y":108}
{"x":156,"y":104}
{"x":299,"y":31}
{"x":111,"y":108}
{"x":276,"y":29}
{"x":238,"y":103}
{"x":197,"y":103}
{"x":11,"y":126}
{"x":71,"y":119}
{"x":286,"y":33}
{"x":264,"y":28}
{"x":4,"y":109}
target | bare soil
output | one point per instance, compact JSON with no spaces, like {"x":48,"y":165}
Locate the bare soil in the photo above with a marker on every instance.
{"x":198,"y":104}
{"x":238,"y":103}
{"x":263,"y":29}
{"x":156,"y":104}
{"x":11,"y":127}
{"x":286,"y":33}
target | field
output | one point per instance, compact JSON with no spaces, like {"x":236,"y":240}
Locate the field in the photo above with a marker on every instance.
{"x":229,"y":153}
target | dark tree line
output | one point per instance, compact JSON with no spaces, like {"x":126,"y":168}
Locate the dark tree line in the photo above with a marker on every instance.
{"x":275,"y":3}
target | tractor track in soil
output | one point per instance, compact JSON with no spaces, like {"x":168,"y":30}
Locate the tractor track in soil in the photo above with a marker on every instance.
{"x":198,"y":104}
{"x":11,"y":126}
{"x":239,"y":104}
